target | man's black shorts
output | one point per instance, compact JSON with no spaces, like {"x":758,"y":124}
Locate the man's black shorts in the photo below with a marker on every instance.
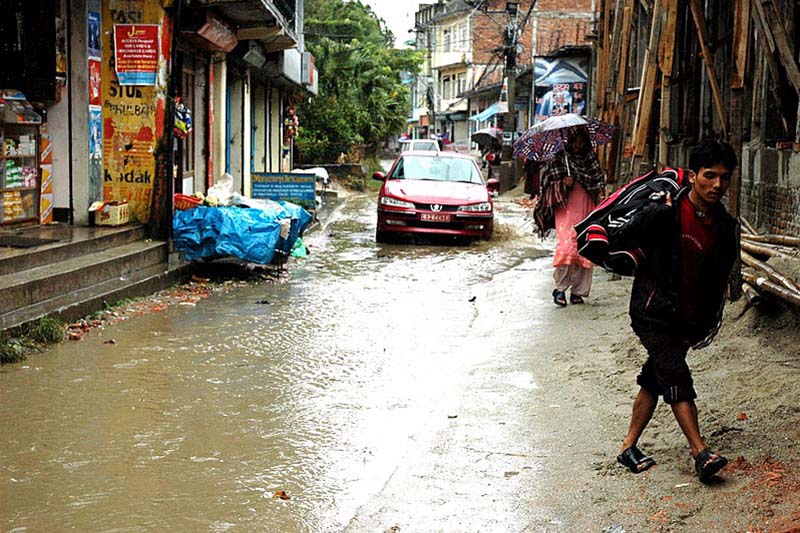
{"x":665,"y":373}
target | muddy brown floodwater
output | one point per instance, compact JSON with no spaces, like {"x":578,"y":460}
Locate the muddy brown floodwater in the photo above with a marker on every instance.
{"x":198,"y":415}
{"x":394,"y":388}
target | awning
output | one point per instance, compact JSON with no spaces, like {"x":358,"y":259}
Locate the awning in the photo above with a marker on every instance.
{"x":487,"y":113}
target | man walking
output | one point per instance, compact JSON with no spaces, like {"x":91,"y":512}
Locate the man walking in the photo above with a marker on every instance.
{"x":690,"y":243}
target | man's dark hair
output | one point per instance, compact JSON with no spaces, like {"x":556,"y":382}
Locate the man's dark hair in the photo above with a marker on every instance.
{"x":710,"y":152}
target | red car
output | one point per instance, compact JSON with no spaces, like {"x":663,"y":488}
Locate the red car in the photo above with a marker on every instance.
{"x":440,"y":193}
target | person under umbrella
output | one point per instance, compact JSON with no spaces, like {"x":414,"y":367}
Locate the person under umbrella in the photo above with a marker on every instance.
{"x":571,"y":184}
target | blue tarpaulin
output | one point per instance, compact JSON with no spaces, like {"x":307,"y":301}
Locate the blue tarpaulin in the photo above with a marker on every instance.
{"x":487,"y":113}
{"x":247,"y":233}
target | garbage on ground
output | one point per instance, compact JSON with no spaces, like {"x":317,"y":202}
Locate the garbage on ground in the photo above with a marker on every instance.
{"x":222,"y":191}
{"x":231,"y":225}
{"x":299,"y":249}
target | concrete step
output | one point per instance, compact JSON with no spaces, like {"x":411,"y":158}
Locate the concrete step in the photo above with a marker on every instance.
{"x":33,"y":286}
{"x":86,"y":242}
{"x":83,"y":302}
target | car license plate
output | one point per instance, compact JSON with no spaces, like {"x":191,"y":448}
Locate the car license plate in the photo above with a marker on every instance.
{"x":434,"y":217}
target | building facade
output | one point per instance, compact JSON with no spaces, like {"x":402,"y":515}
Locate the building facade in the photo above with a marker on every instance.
{"x":124,"y":70}
{"x":461,"y":86}
{"x":716,"y":69}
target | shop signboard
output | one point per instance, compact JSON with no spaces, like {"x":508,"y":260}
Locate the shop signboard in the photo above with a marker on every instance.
{"x":560,"y":86}
{"x":294,"y":187}
{"x":136,"y":52}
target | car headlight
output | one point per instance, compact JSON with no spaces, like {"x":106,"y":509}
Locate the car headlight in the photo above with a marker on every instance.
{"x":394,"y":202}
{"x":483,"y":207}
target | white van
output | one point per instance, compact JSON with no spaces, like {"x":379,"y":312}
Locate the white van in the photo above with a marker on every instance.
{"x":427,"y":145}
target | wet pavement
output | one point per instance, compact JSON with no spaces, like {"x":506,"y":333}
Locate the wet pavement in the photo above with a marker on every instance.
{"x":198,"y":415}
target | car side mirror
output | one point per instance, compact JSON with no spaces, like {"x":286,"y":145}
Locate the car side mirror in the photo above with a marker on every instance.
{"x":380,"y":176}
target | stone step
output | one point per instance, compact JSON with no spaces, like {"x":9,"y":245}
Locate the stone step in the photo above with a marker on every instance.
{"x":83,"y":302}
{"x":32,"y":286}
{"x":86,"y":241}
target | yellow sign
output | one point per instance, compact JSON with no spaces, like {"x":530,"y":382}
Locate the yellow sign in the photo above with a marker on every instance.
{"x":133,"y":116}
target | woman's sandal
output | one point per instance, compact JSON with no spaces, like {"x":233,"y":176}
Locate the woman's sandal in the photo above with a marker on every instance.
{"x":706,"y":465}
{"x":559,"y":298}
{"x":634,"y":460}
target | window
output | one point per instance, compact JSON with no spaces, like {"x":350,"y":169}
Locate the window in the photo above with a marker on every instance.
{"x":462,"y":83}
{"x":463,"y":36}
{"x":435,"y":168}
{"x":446,"y":88}
{"x":447,"y":37}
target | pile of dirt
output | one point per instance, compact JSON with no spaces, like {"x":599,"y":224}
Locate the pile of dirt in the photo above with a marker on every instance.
{"x":749,"y":409}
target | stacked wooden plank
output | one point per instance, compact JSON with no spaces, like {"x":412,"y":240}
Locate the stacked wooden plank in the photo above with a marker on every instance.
{"x":761,"y":277}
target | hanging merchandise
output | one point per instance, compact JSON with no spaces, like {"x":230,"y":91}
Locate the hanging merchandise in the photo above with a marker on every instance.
{"x":183,"y":119}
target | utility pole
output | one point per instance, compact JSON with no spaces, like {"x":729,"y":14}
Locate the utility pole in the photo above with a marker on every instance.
{"x":509,"y":168}
{"x":510,"y":42}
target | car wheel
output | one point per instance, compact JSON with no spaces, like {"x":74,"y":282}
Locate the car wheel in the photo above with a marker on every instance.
{"x":382,"y":237}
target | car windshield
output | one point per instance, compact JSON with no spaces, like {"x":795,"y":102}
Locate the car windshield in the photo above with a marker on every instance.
{"x":436,"y":169}
{"x":420,"y":145}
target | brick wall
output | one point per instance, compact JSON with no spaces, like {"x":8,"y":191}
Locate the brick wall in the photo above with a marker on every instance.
{"x":554,"y":32}
{"x":488,"y":31}
{"x":558,"y":23}
{"x":770,"y":197}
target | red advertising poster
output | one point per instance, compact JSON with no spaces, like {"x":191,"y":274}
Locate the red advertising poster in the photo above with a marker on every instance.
{"x":94,"y":82}
{"x":136,"y":51}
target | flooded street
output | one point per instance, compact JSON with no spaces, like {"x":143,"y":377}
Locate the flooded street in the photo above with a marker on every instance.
{"x":198,"y":415}
{"x":387,"y":388}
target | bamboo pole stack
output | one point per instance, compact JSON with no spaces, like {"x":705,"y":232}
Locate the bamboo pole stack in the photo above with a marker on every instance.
{"x":760,"y":277}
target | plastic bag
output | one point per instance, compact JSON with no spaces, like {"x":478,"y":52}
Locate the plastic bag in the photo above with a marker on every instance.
{"x":222,"y":190}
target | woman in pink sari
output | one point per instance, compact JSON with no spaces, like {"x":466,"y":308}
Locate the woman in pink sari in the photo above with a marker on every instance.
{"x":571,"y":184}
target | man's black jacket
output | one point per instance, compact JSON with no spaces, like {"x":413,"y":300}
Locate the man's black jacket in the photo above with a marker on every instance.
{"x":655,"y":298}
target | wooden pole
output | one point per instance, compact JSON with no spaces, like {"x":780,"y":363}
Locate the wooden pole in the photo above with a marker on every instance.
{"x":771,"y":273}
{"x":666,"y":55}
{"x":647,"y":86}
{"x":621,"y":89}
{"x":747,"y":226}
{"x":761,"y":249}
{"x":741,"y":40}
{"x":772,"y":288}
{"x":708,"y":59}
{"x":770,"y":49}
{"x":753,"y":298}
{"x":603,"y":58}
{"x":769,"y":10}
{"x":615,"y":52}
{"x":622,"y":80}
{"x":784,"y":240}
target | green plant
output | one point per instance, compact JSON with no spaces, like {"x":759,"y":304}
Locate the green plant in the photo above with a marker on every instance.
{"x":46,"y":330}
{"x":353,"y":182}
{"x":362,"y":99}
{"x":119,"y":304}
{"x":11,"y":349}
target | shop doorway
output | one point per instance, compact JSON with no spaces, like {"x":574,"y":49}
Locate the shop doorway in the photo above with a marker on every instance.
{"x":190,"y":150}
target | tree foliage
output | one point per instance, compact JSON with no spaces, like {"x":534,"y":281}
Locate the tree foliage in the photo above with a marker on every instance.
{"x":361,"y":99}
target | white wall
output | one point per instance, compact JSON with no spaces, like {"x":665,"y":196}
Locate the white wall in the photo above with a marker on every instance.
{"x":220,"y":69}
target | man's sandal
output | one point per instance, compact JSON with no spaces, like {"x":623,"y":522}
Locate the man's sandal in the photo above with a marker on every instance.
{"x":559,"y":298}
{"x":706,"y":465}
{"x":634,"y":460}
{"x":574,"y":299}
